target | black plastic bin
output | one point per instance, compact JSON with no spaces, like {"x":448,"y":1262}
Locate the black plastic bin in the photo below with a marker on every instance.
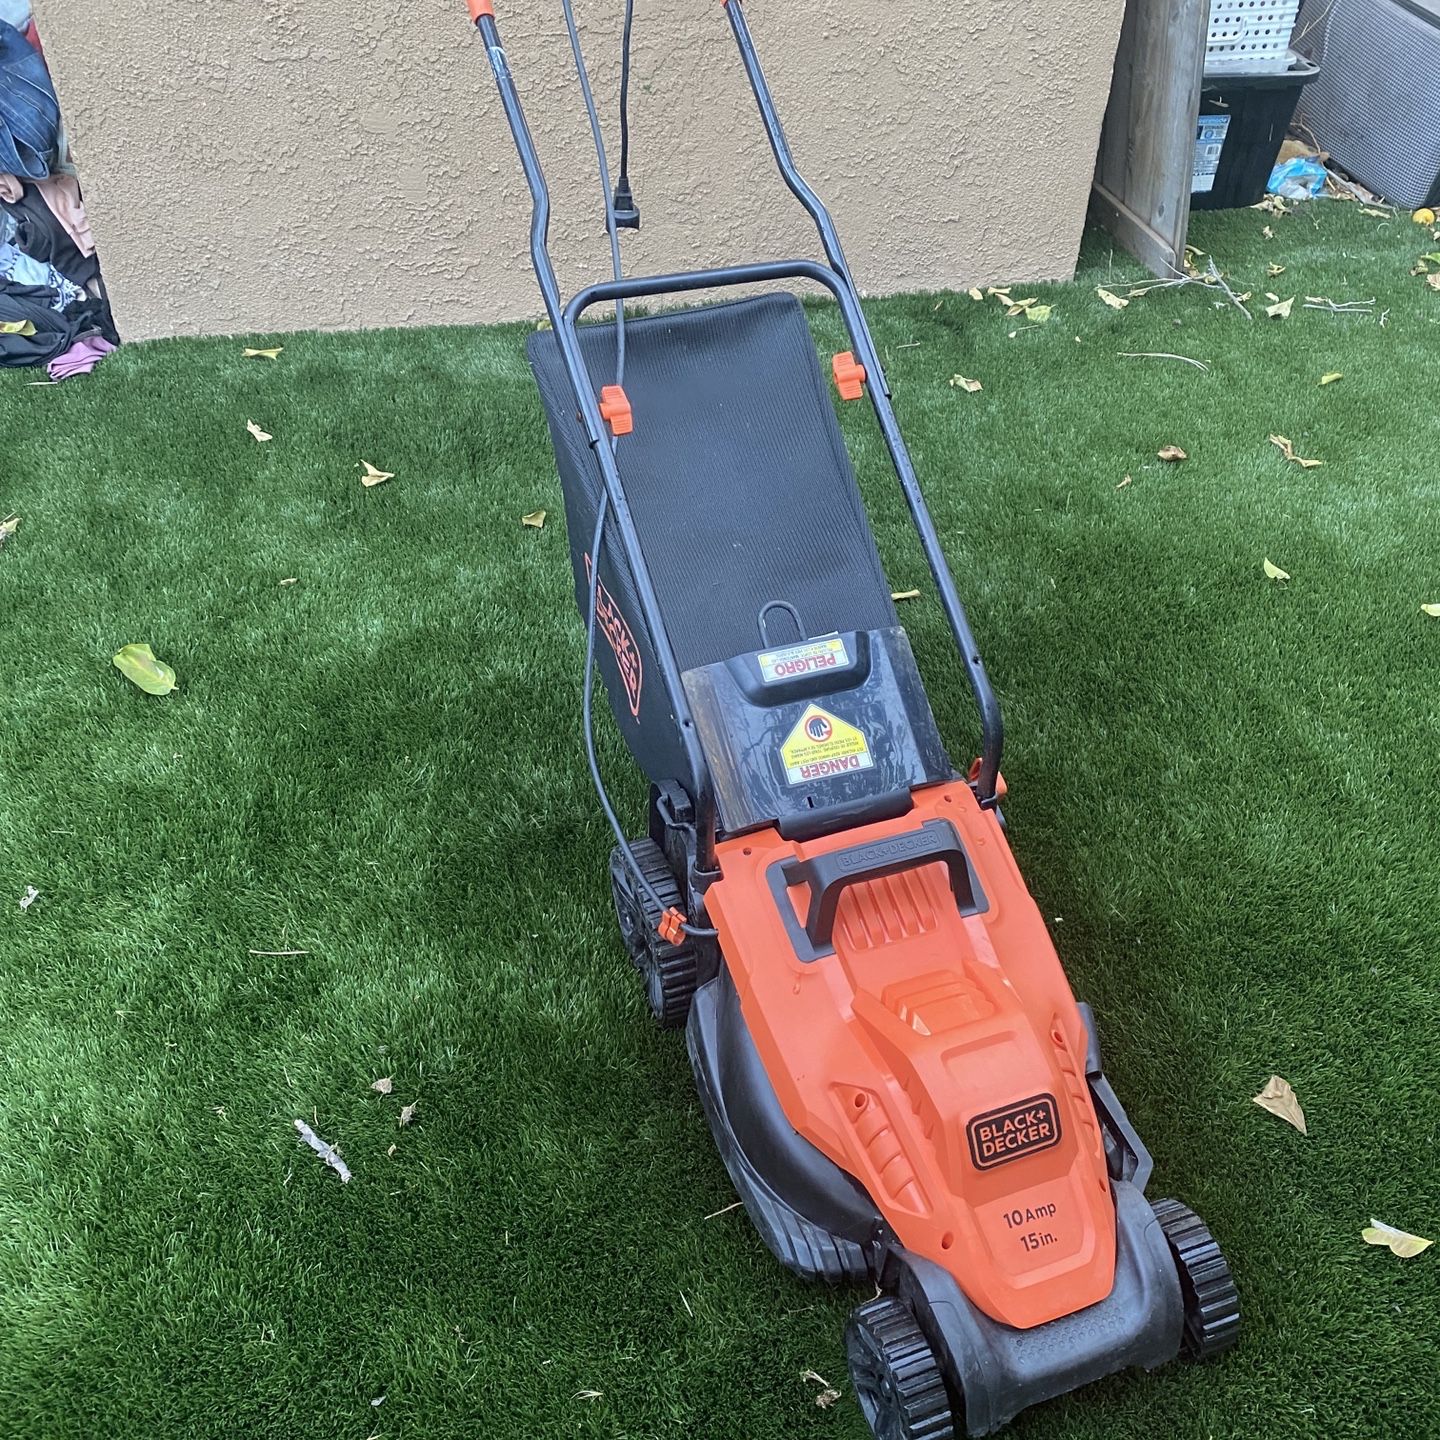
{"x":1243,"y":120}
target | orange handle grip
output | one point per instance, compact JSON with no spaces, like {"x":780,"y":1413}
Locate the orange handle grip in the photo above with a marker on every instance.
{"x":477,"y":8}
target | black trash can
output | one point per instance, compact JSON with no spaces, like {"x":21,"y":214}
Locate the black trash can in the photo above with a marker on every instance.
{"x":1243,"y":120}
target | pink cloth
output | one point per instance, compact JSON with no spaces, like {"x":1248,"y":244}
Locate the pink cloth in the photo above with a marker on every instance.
{"x":62,"y":194}
{"x":81,"y":358}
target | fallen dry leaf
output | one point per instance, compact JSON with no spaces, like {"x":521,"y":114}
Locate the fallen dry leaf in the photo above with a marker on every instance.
{"x":589,"y":1395}
{"x":8,"y":527}
{"x":1273,"y":270}
{"x":1433,"y":281}
{"x":1126,"y":481}
{"x":262,"y":354}
{"x":1370,"y":210}
{"x":1279,"y":1099}
{"x":968,"y":386}
{"x":291,"y":580}
{"x":1268,"y":233}
{"x":1115,"y":302}
{"x":1171,"y":453}
{"x":1003,"y":291}
{"x":407,"y":1114}
{"x":904,"y":594}
{"x":257,"y":432}
{"x":975,"y":293}
{"x":137,"y":663}
{"x":1280,"y":310}
{"x":1288,"y":451}
{"x":30,"y":896}
{"x":827,"y":1397}
{"x":1332,"y":377}
{"x":1274,"y":572}
{"x":1039,"y":314}
{"x":383,"y":1086}
{"x":814,"y":1377}
{"x":1399,"y":1242}
{"x":535,"y":519}
{"x":1431,"y":610}
{"x":372,"y":476}
{"x":390,"y":1153}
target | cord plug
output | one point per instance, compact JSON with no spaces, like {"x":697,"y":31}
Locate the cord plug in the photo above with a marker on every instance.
{"x":627,"y":212}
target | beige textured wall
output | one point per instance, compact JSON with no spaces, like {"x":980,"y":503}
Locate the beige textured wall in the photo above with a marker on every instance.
{"x":261,"y":165}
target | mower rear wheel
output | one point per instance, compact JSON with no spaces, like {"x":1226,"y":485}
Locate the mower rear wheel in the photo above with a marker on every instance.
{"x":668,"y":970}
{"x":1212,"y":1303}
{"x":898,"y":1382}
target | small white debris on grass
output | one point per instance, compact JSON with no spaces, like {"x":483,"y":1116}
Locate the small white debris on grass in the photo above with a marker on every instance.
{"x":327,"y":1152}
{"x":30,"y":896}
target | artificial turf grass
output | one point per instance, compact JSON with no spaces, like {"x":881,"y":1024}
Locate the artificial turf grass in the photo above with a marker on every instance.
{"x":1224,"y":786}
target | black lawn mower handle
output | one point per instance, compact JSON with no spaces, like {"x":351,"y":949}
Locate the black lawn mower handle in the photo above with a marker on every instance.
{"x":835,"y":276}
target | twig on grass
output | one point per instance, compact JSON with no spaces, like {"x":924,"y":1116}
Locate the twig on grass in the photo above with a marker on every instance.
{"x":1340,"y":307}
{"x":1213,"y":271}
{"x":1162,"y":355}
{"x":327,"y":1152}
{"x":279,"y":952}
{"x":712,"y":1215}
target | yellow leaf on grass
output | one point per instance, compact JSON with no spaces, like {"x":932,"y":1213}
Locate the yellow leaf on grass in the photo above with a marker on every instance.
{"x":137,"y":663}
{"x":969,"y":386}
{"x":975,"y":293}
{"x":1431,"y":610}
{"x":1288,"y":451}
{"x":1039,"y":314}
{"x":1280,"y":310}
{"x":904,"y":594}
{"x":1126,"y":481}
{"x":1433,"y":281}
{"x":1267,"y":232}
{"x":1370,"y":210}
{"x":1274,"y":572}
{"x":1115,"y":302}
{"x":1398,"y":1242}
{"x":257,"y":432}
{"x":535,"y":519}
{"x":372,"y":476}
{"x":1277,"y":1097}
{"x":8,"y":527}
{"x":1273,"y":270}
{"x":262,"y":354}
{"x":1332,"y":377}
{"x":1003,"y":291}
{"x":1424,"y":216}
{"x":1171,"y":453}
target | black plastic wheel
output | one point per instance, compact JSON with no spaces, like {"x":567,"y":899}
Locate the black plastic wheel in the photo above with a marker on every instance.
{"x":898,"y":1382}
{"x":1212,"y":1303}
{"x":668,"y":970}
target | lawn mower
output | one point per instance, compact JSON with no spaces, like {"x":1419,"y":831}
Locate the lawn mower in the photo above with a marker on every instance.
{"x":901,"y":1085}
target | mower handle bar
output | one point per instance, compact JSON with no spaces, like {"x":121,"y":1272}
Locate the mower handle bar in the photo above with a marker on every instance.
{"x":836,"y":277}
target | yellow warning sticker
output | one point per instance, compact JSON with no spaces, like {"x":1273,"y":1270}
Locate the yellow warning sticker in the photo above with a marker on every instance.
{"x":822,"y":745}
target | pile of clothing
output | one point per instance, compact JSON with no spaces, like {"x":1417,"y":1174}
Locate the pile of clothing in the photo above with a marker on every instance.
{"x":53,"y":307}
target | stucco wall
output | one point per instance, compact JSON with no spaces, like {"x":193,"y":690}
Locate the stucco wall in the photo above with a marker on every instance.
{"x":260,"y":165}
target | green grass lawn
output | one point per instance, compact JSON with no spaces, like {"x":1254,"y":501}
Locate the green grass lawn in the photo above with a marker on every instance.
{"x":1222,"y":790}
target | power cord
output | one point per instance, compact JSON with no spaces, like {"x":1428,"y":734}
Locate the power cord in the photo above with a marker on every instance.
{"x":694,"y":932}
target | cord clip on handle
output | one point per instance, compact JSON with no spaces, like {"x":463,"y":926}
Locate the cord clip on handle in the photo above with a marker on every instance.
{"x":477,"y":8}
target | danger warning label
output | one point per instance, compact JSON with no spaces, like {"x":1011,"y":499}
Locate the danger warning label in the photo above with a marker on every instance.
{"x":822,"y":745}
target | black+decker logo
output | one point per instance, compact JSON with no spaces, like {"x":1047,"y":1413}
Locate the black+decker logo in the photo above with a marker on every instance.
{"x":1013,"y":1131}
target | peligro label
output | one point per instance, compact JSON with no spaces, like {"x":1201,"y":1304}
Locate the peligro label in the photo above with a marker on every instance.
{"x":813,"y":657}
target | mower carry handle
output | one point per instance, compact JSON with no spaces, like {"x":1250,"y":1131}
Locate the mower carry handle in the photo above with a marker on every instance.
{"x":830,"y":874}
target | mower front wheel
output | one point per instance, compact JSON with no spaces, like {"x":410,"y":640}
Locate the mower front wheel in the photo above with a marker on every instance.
{"x":669,"y":971}
{"x":898,"y":1382}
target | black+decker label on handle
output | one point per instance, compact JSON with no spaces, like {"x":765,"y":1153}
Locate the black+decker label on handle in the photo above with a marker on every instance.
{"x":1013,"y":1131}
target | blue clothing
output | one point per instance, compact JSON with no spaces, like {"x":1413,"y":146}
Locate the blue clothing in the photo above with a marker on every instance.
{"x":29,"y":111}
